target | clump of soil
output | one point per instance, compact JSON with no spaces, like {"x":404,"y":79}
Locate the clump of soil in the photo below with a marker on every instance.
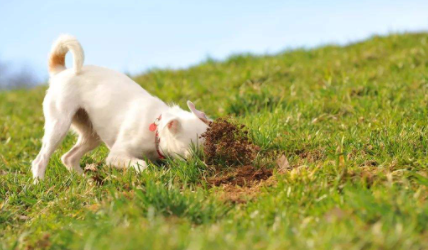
{"x":228,"y":144}
{"x":95,"y":176}
{"x":244,"y":177}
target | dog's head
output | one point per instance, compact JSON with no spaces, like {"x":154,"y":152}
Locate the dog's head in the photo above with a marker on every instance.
{"x":179,"y":130}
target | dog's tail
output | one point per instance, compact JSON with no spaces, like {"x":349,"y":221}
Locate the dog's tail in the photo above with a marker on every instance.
{"x":61,"y":46}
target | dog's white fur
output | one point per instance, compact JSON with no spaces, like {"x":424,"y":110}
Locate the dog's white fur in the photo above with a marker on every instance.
{"x":103,"y":105}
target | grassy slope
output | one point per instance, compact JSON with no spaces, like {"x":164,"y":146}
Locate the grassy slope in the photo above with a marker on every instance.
{"x":352,"y":121}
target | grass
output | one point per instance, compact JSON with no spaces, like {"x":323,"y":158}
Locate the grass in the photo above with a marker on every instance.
{"x":351,"y":120}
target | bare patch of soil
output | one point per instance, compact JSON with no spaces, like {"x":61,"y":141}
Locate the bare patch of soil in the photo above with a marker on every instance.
{"x":42,"y":243}
{"x":245,"y":176}
{"x":241,"y":184}
{"x":242,"y":194}
{"x":238,"y":195}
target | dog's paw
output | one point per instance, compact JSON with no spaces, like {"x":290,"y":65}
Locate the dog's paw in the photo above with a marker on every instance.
{"x":36,"y":180}
{"x":139,"y":165}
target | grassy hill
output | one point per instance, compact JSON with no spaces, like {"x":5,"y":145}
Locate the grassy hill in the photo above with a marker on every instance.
{"x":351,"y":120}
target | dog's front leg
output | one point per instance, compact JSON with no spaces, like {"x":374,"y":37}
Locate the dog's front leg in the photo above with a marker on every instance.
{"x":121,"y":160}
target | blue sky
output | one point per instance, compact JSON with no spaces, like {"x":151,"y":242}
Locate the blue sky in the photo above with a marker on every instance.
{"x":133,"y":36}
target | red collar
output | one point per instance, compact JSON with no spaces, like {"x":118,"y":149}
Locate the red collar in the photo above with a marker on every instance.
{"x":154,"y":128}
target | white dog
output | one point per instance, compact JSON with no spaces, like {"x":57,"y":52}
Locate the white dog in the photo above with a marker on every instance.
{"x":103,"y":105}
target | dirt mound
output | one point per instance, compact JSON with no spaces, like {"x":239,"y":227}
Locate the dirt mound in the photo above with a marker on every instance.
{"x":244,"y":177}
{"x":229,"y":150}
{"x":227,"y":143}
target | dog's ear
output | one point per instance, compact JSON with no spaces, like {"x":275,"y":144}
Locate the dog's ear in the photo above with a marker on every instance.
{"x":172,"y":123}
{"x":201,"y":115}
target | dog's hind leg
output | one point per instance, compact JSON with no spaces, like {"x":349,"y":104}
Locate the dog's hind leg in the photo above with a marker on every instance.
{"x":57,"y":123}
{"x":88,"y":140}
{"x":72,"y":158}
{"x":55,"y":131}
